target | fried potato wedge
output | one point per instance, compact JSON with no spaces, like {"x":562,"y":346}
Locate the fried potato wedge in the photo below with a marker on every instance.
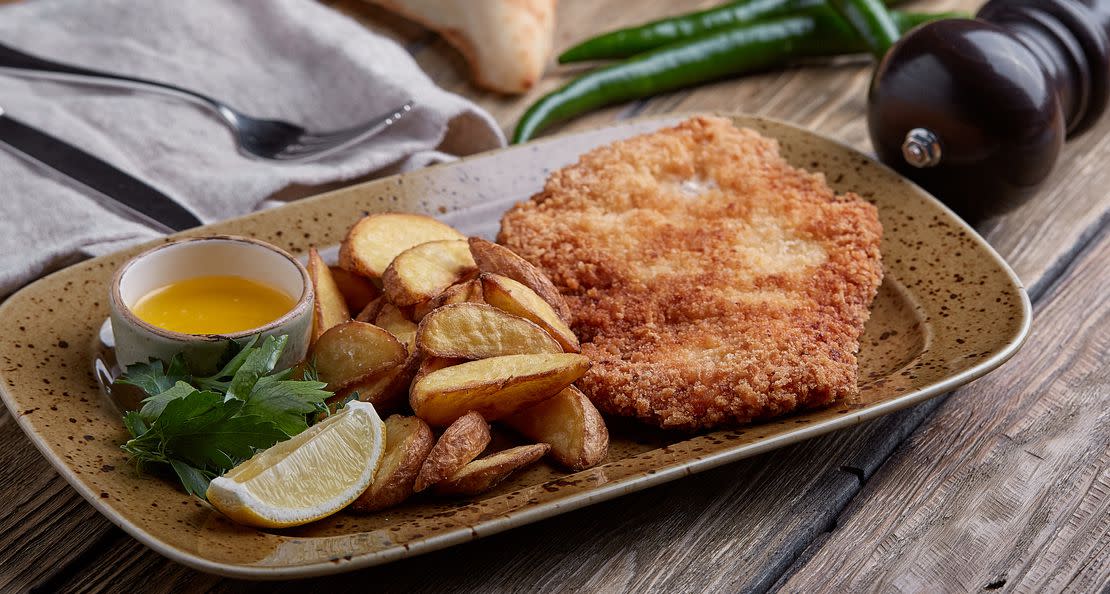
{"x":407,"y":443}
{"x":465,"y":292}
{"x":386,"y":390}
{"x":422,"y":309}
{"x":570,"y":424}
{"x":422,"y":272}
{"x":469,"y":291}
{"x":494,"y":387}
{"x":462,"y":441}
{"x":330,"y":307}
{"x":375,"y":240}
{"x":374,"y":389}
{"x":354,"y":351}
{"x":430,"y":364}
{"x":370,"y":312}
{"x":498,"y":259}
{"x":511,"y":296}
{"x":478,"y":331}
{"x":357,"y":290}
{"x":484,"y":474}
{"x":393,"y":319}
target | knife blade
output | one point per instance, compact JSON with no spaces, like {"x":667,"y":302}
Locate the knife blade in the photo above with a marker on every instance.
{"x":100,"y":176}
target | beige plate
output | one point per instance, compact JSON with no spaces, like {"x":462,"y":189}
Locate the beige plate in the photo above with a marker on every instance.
{"x":948,"y":311}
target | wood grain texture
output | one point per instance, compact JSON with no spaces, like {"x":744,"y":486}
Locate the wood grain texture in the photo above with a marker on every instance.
{"x":44,"y":525}
{"x":1009,"y":483}
{"x":615,"y":546}
{"x":737,"y":528}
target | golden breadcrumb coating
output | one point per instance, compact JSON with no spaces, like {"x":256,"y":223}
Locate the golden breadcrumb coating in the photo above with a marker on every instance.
{"x":711,"y":283}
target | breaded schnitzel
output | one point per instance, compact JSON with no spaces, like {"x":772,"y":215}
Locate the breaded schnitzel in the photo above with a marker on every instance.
{"x":711,"y":283}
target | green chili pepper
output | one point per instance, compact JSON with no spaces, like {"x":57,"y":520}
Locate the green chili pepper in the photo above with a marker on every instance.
{"x":737,"y":49}
{"x":626,"y":43}
{"x":872,"y":21}
{"x":910,"y":20}
{"x":721,"y":53}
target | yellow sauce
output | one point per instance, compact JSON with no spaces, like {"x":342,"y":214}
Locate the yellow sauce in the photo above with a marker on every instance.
{"x":213,"y":305}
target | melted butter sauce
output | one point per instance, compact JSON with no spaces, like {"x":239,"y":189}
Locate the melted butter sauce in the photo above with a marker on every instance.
{"x":213,"y":305}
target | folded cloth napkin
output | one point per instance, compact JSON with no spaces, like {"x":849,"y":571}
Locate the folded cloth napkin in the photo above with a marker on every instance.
{"x":289,"y":59}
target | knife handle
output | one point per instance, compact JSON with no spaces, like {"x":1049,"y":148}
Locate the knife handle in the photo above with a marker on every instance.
{"x":15,"y":62}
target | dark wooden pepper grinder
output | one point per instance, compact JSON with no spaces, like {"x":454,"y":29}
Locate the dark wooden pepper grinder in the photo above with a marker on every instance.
{"x":976,"y":111}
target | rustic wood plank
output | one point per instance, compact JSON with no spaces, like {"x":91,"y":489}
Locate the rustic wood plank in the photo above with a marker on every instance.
{"x":1038,"y":240}
{"x":1010,"y":482}
{"x":733,"y":528}
{"x":613,"y":546}
{"x":44,"y":525}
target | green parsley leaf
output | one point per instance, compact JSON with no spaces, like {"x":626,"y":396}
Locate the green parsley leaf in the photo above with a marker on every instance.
{"x":194,"y":479}
{"x":236,"y":355}
{"x":223,"y":442}
{"x":201,"y":427}
{"x":146,"y":449}
{"x":176,"y":369}
{"x":134,"y":423}
{"x":154,"y":377}
{"x":309,"y":373}
{"x":258,"y":363}
{"x":153,"y":406}
{"x":285,"y":402}
{"x":202,"y":431}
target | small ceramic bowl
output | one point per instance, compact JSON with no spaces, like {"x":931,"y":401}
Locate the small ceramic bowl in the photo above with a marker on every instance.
{"x":137,"y":341}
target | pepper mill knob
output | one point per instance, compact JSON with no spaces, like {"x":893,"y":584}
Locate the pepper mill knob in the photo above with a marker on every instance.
{"x":921,"y":148}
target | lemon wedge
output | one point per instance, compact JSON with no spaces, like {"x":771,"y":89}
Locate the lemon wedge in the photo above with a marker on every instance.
{"x":315,"y":474}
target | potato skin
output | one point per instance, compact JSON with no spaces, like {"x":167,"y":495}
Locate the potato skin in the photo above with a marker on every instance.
{"x":498,"y":259}
{"x":518,"y":299}
{"x":494,"y":387}
{"x":424,"y":271}
{"x":408,"y":441}
{"x":330,"y":306}
{"x":484,"y":474}
{"x":387,"y":390}
{"x":478,"y":331}
{"x":429,"y":364}
{"x":357,"y":290}
{"x":375,"y":240}
{"x":570,"y":423}
{"x":371,"y":311}
{"x":468,"y":291}
{"x":460,"y":443}
{"x":353,"y":351}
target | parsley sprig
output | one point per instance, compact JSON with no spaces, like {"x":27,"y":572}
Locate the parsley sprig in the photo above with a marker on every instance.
{"x":203,"y":426}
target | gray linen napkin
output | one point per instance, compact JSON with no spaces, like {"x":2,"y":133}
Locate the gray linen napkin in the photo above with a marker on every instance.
{"x":288,"y":59}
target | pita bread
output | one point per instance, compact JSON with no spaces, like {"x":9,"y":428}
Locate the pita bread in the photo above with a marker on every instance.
{"x":506,"y":42}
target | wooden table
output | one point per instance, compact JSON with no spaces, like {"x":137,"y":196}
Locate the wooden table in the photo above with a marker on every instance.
{"x":1003,"y":485}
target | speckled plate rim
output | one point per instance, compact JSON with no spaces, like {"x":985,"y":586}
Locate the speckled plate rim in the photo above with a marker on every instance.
{"x":597,"y":494}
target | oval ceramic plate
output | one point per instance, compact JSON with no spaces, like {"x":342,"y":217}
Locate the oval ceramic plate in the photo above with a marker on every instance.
{"x":949,"y":310}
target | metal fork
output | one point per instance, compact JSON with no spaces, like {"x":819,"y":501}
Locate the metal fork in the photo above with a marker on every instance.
{"x":264,"y":139}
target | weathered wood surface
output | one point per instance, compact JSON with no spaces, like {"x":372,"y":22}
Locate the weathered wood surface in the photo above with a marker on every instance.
{"x":1009,"y":483}
{"x":737,"y":528}
{"x":40,"y":511}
